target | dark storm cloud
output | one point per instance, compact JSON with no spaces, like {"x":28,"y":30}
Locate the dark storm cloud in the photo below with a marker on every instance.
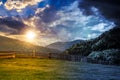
{"x":108,"y":8}
{"x":12,"y":24}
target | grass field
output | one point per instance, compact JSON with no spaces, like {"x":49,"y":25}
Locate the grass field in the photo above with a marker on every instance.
{"x":31,"y":69}
{"x":45,"y":69}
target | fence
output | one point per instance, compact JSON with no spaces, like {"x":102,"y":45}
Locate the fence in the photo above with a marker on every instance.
{"x":65,"y":57}
{"x":7,"y":54}
{"x":12,"y":54}
{"x":50,"y":56}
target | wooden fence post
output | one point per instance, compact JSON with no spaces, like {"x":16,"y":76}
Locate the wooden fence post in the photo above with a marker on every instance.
{"x":33,"y":53}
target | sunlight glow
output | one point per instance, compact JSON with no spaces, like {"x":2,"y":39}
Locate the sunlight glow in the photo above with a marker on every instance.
{"x":30,"y":35}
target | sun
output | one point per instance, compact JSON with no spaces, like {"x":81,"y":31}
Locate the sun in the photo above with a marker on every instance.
{"x":30,"y":35}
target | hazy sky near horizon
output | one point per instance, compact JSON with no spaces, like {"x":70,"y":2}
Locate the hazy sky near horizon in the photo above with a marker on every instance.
{"x":52,"y":20}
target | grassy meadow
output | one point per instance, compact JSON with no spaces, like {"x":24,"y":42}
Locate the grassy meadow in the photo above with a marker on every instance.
{"x":32,"y":69}
{"x":48,"y":69}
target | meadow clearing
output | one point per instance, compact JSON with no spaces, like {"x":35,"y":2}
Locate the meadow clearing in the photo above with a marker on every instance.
{"x":46,"y":69}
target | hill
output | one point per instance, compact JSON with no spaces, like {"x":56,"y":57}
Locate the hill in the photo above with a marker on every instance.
{"x":106,"y":47}
{"x":63,"y":45}
{"x":8,"y":44}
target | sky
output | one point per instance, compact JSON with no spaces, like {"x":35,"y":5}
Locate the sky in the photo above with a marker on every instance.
{"x":57,"y":20}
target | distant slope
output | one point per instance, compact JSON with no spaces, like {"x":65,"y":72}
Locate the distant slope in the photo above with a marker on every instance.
{"x":8,"y":44}
{"x":63,"y":45}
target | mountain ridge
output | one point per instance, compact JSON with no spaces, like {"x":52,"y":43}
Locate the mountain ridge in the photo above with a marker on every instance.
{"x":63,"y":45}
{"x":103,"y":49}
{"x":8,"y":44}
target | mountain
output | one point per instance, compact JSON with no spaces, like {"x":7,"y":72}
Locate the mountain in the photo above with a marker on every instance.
{"x":8,"y":44}
{"x":104,"y":48}
{"x":63,"y":45}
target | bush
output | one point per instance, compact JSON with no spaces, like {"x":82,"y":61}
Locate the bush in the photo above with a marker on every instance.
{"x":111,"y":56}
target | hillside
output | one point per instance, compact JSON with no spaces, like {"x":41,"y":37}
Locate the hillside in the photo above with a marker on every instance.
{"x":106,"y":47}
{"x":63,"y":45}
{"x":8,"y":44}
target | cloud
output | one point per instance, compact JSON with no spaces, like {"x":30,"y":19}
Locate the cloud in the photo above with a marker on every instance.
{"x":102,"y":27}
{"x":1,"y":3}
{"x":55,"y":20}
{"x":7,"y":30}
{"x":20,"y":4}
{"x":71,"y":22}
{"x":9,"y":24}
{"x":93,"y":35}
{"x":22,"y":8}
{"x":108,"y":8}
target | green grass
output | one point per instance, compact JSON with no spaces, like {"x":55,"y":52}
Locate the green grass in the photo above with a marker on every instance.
{"x":46,"y":69}
{"x":32,"y":69}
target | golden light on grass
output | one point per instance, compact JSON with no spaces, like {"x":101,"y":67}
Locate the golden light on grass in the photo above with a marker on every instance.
{"x":30,"y":35}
